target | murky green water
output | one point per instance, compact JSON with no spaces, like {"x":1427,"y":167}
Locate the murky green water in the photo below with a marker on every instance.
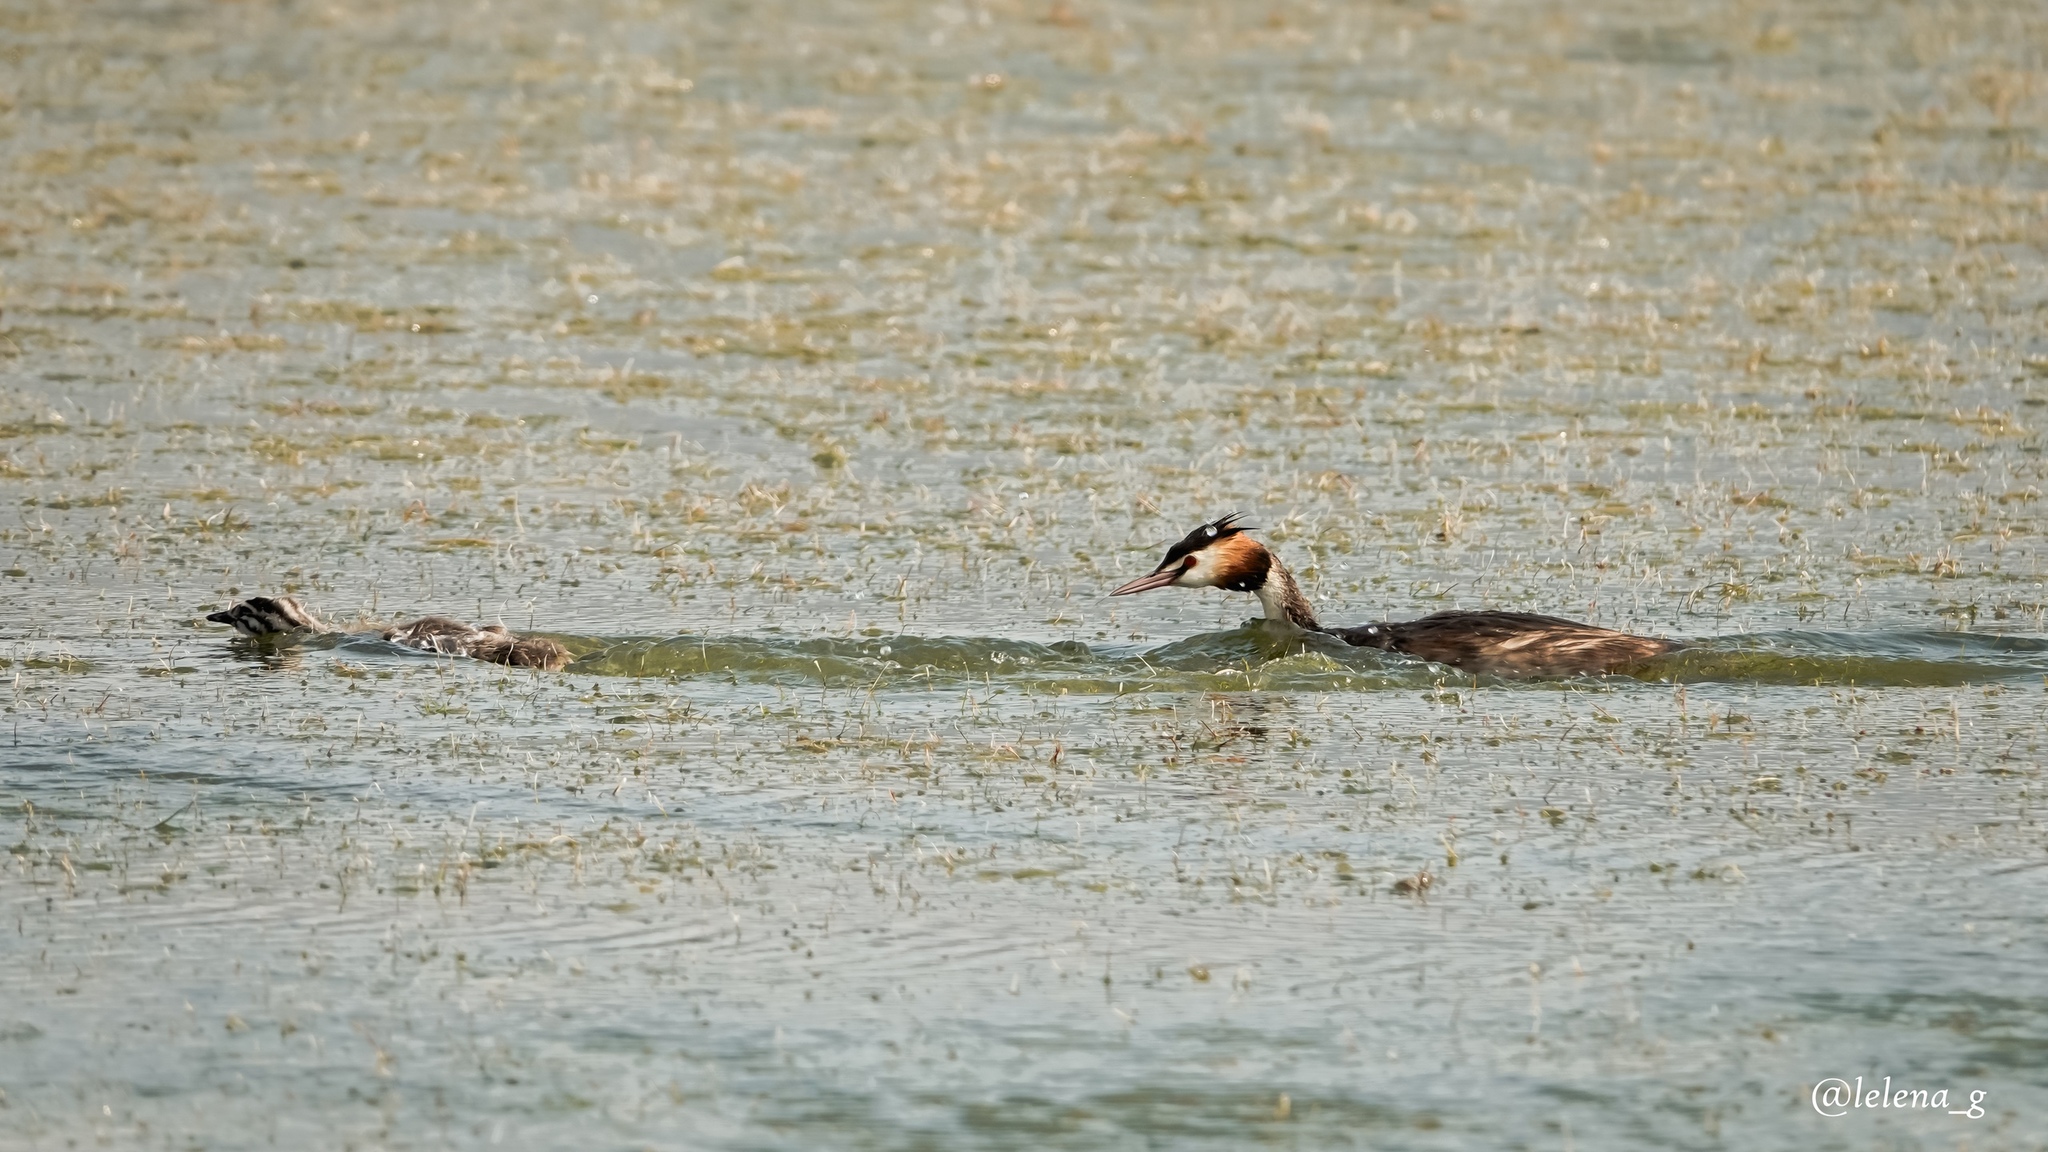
{"x":813,"y":370}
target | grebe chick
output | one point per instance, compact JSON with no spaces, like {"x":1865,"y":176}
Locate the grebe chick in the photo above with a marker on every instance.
{"x":1219,"y":555}
{"x":276,"y":615}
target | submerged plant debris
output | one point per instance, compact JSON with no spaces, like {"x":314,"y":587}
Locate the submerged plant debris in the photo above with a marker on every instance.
{"x":813,"y":370}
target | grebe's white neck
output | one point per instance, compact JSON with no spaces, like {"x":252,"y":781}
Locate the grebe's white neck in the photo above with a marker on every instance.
{"x":1282,"y":599}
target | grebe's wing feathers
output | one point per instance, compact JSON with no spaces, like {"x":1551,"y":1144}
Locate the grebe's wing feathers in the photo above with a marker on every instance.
{"x":1509,"y":643}
{"x":431,"y":633}
{"x":537,"y":652}
{"x":492,"y":643}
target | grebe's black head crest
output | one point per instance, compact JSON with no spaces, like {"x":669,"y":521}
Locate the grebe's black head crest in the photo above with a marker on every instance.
{"x":1221,"y":528}
{"x":1212,"y":555}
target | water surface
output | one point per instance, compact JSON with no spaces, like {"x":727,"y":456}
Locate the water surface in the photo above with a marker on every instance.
{"x":813,"y":371}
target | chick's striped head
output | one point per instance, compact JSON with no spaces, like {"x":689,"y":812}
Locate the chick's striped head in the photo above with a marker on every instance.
{"x":266,"y":616}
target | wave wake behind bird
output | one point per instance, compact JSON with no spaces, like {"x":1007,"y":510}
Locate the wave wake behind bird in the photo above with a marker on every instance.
{"x":1262,"y":656}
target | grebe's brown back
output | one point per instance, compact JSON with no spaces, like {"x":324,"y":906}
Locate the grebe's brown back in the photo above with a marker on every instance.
{"x":1219,"y":555}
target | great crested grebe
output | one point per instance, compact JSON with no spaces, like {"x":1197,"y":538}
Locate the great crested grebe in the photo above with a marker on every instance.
{"x":1219,"y":555}
{"x":276,"y":615}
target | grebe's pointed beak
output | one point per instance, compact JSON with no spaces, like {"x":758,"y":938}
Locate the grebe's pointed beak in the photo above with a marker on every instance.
{"x":221,"y":617}
{"x":1158,"y":579}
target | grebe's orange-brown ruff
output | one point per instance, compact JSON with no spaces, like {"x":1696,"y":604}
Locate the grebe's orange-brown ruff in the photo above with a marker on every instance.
{"x":1219,"y":555}
{"x":277,"y":615}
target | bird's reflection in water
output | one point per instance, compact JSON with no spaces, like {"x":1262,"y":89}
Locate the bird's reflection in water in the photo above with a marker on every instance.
{"x":271,"y":653}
